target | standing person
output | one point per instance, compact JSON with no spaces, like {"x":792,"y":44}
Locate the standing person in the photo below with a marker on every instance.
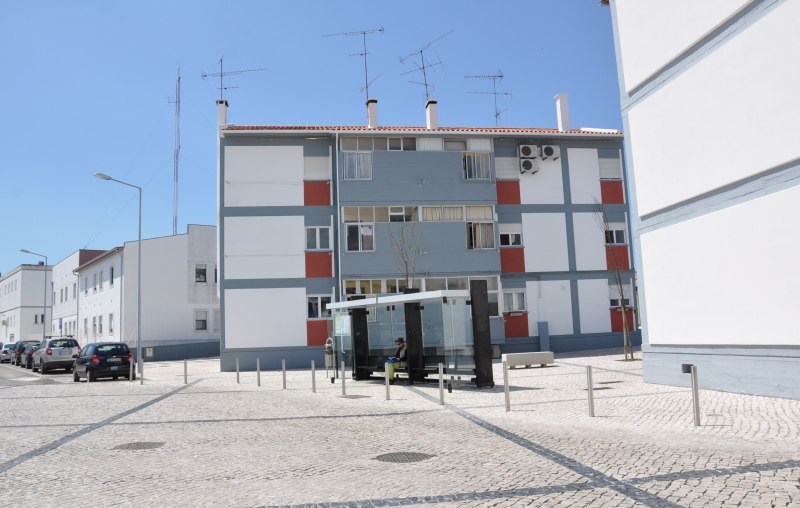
{"x":396,"y":361}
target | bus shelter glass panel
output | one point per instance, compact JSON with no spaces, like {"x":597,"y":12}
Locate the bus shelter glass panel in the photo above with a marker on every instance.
{"x":342,"y":333}
{"x":388,"y":324}
{"x":459,"y":343}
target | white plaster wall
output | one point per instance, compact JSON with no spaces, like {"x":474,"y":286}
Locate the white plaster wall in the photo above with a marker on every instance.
{"x":734,"y":113}
{"x":66,"y":311}
{"x":264,"y":247}
{"x":265,"y":318}
{"x":263,"y":176}
{"x":317,"y":168}
{"x":652,"y":33}
{"x":107,"y":299}
{"x":590,"y":250}
{"x":725,"y":278}
{"x":584,"y":175}
{"x":545,"y":237}
{"x":544,"y":187}
{"x":550,"y":301}
{"x":593,"y":303}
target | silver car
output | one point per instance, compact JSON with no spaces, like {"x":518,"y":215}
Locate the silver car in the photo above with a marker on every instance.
{"x":5,"y":353}
{"x":56,"y":353}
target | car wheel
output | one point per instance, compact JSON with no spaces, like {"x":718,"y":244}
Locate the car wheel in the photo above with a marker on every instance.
{"x":75,"y":376}
{"x":41,"y":368}
{"x":35,"y":368}
{"x":89,"y":376}
{"x":132,"y":377}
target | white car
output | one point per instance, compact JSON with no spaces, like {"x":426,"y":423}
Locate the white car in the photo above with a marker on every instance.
{"x":5,"y":352}
{"x":56,"y":353}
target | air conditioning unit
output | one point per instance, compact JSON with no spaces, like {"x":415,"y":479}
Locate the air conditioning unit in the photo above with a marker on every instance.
{"x":528,"y":151}
{"x":550,"y":152}
{"x":528,"y":166}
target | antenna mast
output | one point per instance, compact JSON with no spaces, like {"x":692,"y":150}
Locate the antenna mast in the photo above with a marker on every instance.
{"x":177,"y":103}
{"x":423,"y":65}
{"x":495,"y":78}
{"x":222,"y":74}
{"x":364,"y":53}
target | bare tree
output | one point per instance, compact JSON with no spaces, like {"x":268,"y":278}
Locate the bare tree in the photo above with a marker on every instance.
{"x":601,"y":218}
{"x":406,"y":247}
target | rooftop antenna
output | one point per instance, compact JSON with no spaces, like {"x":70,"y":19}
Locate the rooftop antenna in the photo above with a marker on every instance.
{"x":222,"y":74}
{"x":364,"y":53}
{"x":177,"y":103}
{"x":495,"y":78}
{"x":422,"y":65}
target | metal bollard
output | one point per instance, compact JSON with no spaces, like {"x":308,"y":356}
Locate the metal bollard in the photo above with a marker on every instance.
{"x":130,"y":373}
{"x":141,"y":371}
{"x":590,"y":389}
{"x":258,"y":371}
{"x":695,"y":397}
{"x":344,"y":391}
{"x":313,"y":377}
{"x":505,"y":386}
{"x":185,"y":372}
{"x":283,"y":368}
{"x":237,"y":370}
{"x":387,"y":386}
{"x":441,"y":384}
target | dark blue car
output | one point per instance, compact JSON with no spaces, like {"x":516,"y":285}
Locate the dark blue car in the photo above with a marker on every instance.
{"x":103,"y":359}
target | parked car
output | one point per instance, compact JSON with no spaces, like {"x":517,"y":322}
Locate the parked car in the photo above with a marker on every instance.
{"x":19,"y":348}
{"x":103,"y":359}
{"x":5,"y":352}
{"x":56,"y":353}
{"x":27,"y":355}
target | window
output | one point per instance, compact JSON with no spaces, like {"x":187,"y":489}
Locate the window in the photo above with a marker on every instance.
{"x":36,"y":319}
{"x":215,"y":275}
{"x":60,"y":295}
{"x":316,"y":307}
{"x":615,"y":298}
{"x":455,"y":145}
{"x":514,"y":301}
{"x":74,"y":290}
{"x":477,"y":166}
{"x":111,"y":323}
{"x":94,"y":326}
{"x":200,"y":273}
{"x":357,"y":165}
{"x":615,"y":236}
{"x":201,"y":320}
{"x":318,"y":238}
{"x":111,"y":277}
{"x":94,"y":281}
{"x":442,"y":213}
{"x":101,"y":280}
{"x":360,"y":237}
{"x":406,"y":144}
{"x":480,"y":235}
{"x":86,"y":285}
{"x":615,"y":302}
{"x":85,"y":327}
{"x":100,"y":325}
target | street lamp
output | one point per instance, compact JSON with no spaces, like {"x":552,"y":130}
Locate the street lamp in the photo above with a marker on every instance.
{"x":104,"y":176}
{"x":44,"y":302}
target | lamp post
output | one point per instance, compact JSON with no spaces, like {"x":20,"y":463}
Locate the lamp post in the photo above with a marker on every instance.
{"x":44,"y":302}
{"x":103,"y":176}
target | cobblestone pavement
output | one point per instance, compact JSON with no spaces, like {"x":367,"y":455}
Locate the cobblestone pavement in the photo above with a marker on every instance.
{"x":213,"y":442}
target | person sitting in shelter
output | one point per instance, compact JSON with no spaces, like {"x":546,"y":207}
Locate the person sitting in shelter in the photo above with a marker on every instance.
{"x":396,"y":361}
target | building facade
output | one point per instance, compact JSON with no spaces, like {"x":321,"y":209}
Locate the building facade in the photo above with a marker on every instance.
{"x":64,"y":292}
{"x":180,"y":315}
{"x":25,"y":305}
{"x":710,"y":108}
{"x":311,"y":215}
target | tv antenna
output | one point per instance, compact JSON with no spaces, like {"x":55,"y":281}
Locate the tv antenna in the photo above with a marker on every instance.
{"x":424,"y":65}
{"x":222,"y":74}
{"x":364,"y":53}
{"x":177,"y":103}
{"x":495,"y":78}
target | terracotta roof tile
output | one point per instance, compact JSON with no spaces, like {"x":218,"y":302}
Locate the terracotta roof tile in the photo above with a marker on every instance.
{"x":362,"y":128}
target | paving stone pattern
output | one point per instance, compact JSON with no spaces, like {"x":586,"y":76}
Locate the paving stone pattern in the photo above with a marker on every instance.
{"x":229,"y":444}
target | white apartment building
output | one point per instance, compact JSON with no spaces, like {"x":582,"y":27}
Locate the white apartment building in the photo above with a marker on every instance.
{"x":64,"y":292}
{"x":25,"y":304}
{"x":180,"y":308}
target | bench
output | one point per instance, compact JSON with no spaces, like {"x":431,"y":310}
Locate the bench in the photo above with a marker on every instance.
{"x":542,"y":358}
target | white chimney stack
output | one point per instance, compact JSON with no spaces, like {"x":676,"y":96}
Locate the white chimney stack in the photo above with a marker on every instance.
{"x":372,"y":113}
{"x":222,"y":112}
{"x":562,"y":111}
{"x":431,"y":115}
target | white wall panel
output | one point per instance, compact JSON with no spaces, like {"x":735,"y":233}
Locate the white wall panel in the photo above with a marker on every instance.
{"x":733,"y":114}
{"x":544,"y":187}
{"x":264,"y":247}
{"x":653,"y":33}
{"x":264,"y":176}
{"x":593,"y":303}
{"x":584,"y":175}
{"x":317,"y":168}
{"x":550,"y":301}
{"x":700,"y":282}
{"x":590,"y":242}
{"x":545,"y":237}
{"x":265,"y":317}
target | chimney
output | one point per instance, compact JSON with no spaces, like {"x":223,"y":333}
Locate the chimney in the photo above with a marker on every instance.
{"x":222,"y":112}
{"x":431,"y":115}
{"x":562,"y":111}
{"x":372,"y":113}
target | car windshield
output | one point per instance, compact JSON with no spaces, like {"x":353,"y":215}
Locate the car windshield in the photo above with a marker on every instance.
{"x":63,"y":343}
{"x":112,"y":349}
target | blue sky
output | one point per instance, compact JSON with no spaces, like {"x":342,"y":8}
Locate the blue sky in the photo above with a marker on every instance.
{"x":86,"y":86}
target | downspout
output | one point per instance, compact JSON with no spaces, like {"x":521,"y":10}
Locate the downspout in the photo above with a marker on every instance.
{"x":78,"y":308}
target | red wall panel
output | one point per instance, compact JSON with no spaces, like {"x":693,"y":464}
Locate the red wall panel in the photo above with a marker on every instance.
{"x":512,"y":260}
{"x":616,"y":320}
{"x":317,"y":193}
{"x":318,"y":264}
{"x":618,"y":253}
{"x":508,"y":193}
{"x":316,"y":332}
{"x":611,"y":192}
{"x":516,"y":324}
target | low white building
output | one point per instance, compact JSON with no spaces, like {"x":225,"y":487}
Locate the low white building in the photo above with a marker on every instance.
{"x":180,"y":308}
{"x":25,"y":304}
{"x":64,"y":291}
